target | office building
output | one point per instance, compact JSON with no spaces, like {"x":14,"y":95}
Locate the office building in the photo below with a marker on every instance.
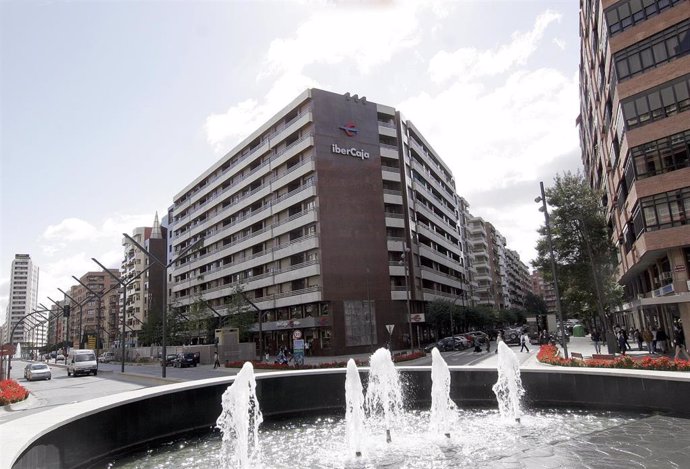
{"x":94,"y":311}
{"x":23,"y":299}
{"x":635,"y":140}
{"x":331,"y":217}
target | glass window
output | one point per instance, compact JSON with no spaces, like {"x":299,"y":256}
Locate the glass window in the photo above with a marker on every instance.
{"x":634,"y":64}
{"x":647,"y":58}
{"x":649,"y":216}
{"x":641,"y":105}
{"x":655,"y":101}
{"x":660,"y":54}
{"x":672,"y":46}
{"x":622,"y":68}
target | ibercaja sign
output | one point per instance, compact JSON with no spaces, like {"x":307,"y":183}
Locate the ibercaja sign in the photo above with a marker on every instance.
{"x":350,"y":130}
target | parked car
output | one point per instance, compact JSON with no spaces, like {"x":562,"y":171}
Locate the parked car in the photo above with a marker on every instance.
{"x":34,"y":371}
{"x":170,"y":359}
{"x":479,"y":336}
{"x":462,"y":341}
{"x":512,"y":336}
{"x":184,"y":360}
{"x":448,"y":343}
{"x":106,"y":357}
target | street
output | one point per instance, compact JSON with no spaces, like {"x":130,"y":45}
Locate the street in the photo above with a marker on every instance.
{"x":62,"y":389}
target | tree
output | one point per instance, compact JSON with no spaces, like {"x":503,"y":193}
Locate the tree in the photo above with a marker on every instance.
{"x":240,"y":313}
{"x":535,"y":304}
{"x":584,"y":254}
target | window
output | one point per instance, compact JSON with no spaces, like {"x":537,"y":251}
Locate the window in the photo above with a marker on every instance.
{"x":627,"y":13}
{"x":666,"y":210}
{"x":645,"y":107}
{"x":655,"y":50}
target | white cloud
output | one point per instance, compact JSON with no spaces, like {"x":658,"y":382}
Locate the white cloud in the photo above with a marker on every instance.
{"x":469,"y":63}
{"x":560,"y":43}
{"x":70,"y":229}
{"x":349,"y":35}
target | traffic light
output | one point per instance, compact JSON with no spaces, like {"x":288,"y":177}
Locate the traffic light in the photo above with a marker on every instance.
{"x":65,"y":311}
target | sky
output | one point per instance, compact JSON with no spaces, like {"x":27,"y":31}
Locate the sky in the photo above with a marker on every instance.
{"x":109,"y":108}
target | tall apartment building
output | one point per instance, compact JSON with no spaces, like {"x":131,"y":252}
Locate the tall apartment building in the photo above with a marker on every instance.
{"x":94,"y":317}
{"x":489,"y":266}
{"x":146,"y":293}
{"x":57,"y":324}
{"x":545,"y":290}
{"x":517,"y":280}
{"x":635,"y":137}
{"x":23,"y":299}
{"x":320,"y":215}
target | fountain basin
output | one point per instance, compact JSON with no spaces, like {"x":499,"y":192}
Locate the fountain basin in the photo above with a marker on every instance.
{"x":82,"y":434}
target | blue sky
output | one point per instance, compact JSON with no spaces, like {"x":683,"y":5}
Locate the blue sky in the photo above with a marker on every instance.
{"x":108,"y":108}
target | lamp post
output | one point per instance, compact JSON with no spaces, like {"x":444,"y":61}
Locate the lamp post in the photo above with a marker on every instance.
{"x":21,"y":321}
{"x":404,"y":261}
{"x":195,"y":245}
{"x":544,"y":209}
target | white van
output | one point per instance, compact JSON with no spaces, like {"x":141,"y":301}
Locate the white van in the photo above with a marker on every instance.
{"x":81,"y":361}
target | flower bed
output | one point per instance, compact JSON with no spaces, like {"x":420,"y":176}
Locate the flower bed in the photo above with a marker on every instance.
{"x":549,"y":354}
{"x":333,"y":364}
{"x":11,"y":391}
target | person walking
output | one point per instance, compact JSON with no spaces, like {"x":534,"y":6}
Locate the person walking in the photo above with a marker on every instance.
{"x":661,"y":338}
{"x":499,"y":339}
{"x":596,"y":338}
{"x":679,"y":343}
{"x":216,"y":361}
{"x":622,"y":342}
{"x":654,"y":333}
{"x":523,"y":342}
{"x":638,"y":338}
{"x":648,"y":339}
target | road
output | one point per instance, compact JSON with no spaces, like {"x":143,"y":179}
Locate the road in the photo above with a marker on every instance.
{"x":62,"y":389}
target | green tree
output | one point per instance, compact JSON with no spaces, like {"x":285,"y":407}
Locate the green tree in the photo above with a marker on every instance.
{"x":583,"y":251}
{"x":535,"y":304}
{"x":241,"y":315}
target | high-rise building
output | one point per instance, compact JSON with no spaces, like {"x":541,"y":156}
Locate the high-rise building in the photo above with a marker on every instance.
{"x":93,"y":314}
{"x":146,"y":293}
{"x":517,"y":280}
{"x":490,"y":274}
{"x":545,"y":290}
{"x":635,"y":142}
{"x":321,"y":216}
{"x":23,"y":300}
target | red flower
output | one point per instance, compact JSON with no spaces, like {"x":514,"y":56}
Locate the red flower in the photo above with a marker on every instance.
{"x":11,"y":391}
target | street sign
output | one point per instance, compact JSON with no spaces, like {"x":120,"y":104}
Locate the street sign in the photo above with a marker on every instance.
{"x":7,"y":349}
{"x":389,"y":328}
{"x":417,"y":318}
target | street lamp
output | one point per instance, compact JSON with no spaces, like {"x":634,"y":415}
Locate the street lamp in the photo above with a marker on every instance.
{"x":544,"y":209}
{"x":404,"y":261}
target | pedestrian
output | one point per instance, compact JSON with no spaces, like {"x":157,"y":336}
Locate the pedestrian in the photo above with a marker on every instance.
{"x":523,"y":342}
{"x":625,"y":336}
{"x":621,"y":342}
{"x":488,"y":344}
{"x":306,"y":347}
{"x":661,"y":338}
{"x":596,"y":338}
{"x":499,"y":339}
{"x":648,"y":339}
{"x":654,"y":340}
{"x":679,"y":343}
{"x":216,"y":362}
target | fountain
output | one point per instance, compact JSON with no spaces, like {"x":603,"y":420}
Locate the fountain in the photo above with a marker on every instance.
{"x":18,"y":351}
{"x":384,"y":392}
{"x":443,"y":414}
{"x":240,"y":420}
{"x":354,"y":410}
{"x":508,"y":388}
{"x":303,"y":428}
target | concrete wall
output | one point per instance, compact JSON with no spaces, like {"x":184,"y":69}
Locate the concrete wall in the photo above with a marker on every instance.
{"x":103,"y":428}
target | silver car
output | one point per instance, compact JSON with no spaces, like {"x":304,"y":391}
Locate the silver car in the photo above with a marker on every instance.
{"x":34,"y":371}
